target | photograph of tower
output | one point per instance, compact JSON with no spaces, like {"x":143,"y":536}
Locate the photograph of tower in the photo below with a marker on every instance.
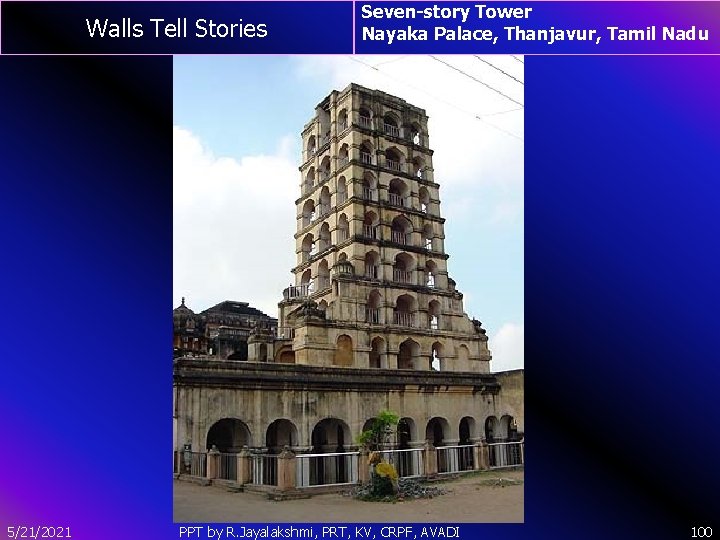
{"x":371,"y":322}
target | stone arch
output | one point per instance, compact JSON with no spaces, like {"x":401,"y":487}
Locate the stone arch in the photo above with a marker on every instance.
{"x":369,"y":185}
{"x":343,"y":228}
{"x":372,"y":265}
{"x":378,"y":357}
{"x":307,"y":246}
{"x":401,"y":230}
{"x":311,"y":146}
{"x":437,"y":357}
{"x":262,"y":352}
{"x":308,"y":212}
{"x":467,"y":430}
{"x":342,"y":120}
{"x":398,"y":192}
{"x":405,"y":308}
{"x":434,"y":315}
{"x":508,"y":428}
{"x":341,"y":190}
{"x":328,"y":436}
{"x":437,"y":430}
{"x":285,"y":355}
{"x":280,"y":433}
{"x":403,"y":268}
{"x":344,"y":155}
{"x":366,"y":152}
{"x":406,"y":432}
{"x":310,"y":178}
{"x":324,"y":201}
{"x":344,"y":351}
{"x":324,"y":170}
{"x":370,"y":225}
{"x":324,"y":237}
{"x":409,"y":354}
{"x":323,"y":275}
{"x":463,"y":357}
{"x":229,"y":435}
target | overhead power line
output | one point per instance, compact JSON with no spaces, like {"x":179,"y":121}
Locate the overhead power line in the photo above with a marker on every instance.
{"x":517,"y":58}
{"x":465,"y":111}
{"x":477,"y":80}
{"x":498,"y":69}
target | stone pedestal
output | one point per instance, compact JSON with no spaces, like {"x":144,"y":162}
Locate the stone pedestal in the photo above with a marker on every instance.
{"x":213,"y":463}
{"x":244,"y":470}
{"x":430,"y":455}
{"x":286,"y":470}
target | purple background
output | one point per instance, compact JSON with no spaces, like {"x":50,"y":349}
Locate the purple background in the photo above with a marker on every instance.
{"x":622,"y":294}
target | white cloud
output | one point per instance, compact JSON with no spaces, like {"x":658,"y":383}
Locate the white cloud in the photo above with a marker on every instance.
{"x":508,"y":347}
{"x":232,"y":224}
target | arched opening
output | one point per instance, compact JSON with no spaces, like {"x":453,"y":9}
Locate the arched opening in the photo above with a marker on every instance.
{"x":370,"y":225}
{"x":228,"y":435}
{"x":377,"y":353}
{"x":307,"y":283}
{"x":390,"y":125}
{"x":308,"y":212}
{"x":427,"y":234}
{"x":463,"y":357}
{"x":262,"y":352}
{"x":467,"y":433}
{"x":409,"y":355}
{"x":324,"y":202}
{"x":324,"y":238}
{"x":366,"y":151}
{"x":436,"y":361}
{"x":431,"y":274}
{"x":343,"y":228}
{"x":415,"y":134}
{"x":343,"y":155}
{"x":344,"y":351}
{"x":405,"y":307}
{"x":279,"y":434}
{"x":434,"y":315}
{"x":398,"y":193}
{"x":365,"y":117}
{"x":408,"y":463}
{"x":403,"y":268}
{"x":401,"y":230}
{"x":372,"y":309}
{"x":418,"y":167}
{"x":342,"y":120}
{"x":424,"y":197}
{"x":437,"y":430}
{"x":323,"y":276}
{"x":324,"y":171}
{"x":330,"y":435}
{"x":393,"y":159}
{"x":508,"y":428}
{"x":372,"y":265}
{"x":322,"y":305}
{"x":307,"y":247}
{"x":311,"y":146}
{"x":341,"y":190}
{"x":310,"y":178}
{"x":369,"y":187}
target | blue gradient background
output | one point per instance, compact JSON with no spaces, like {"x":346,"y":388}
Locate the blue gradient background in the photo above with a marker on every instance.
{"x":621,"y":281}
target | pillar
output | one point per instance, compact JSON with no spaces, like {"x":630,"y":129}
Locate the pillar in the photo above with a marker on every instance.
{"x":213,"y":463}
{"x":244,"y":472}
{"x":286,"y":470}
{"x":430,"y":455}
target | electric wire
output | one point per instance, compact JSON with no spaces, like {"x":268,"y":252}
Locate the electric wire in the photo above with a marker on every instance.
{"x":498,"y":69}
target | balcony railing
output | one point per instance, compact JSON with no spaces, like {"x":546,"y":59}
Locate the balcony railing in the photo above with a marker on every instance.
{"x":343,"y":235}
{"x":434,"y":323}
{"x":394,"y":131}
{"x":342,"y":126}
{"x":372,"y":315}
{"x":371,"y":271}
{"x":404,"y":319}
{"x":402,"y":276}
{"x":285,"y":332}
{"x":366,"y":158}
{"x":392,"y":164}
{"x":369,"y":231}
{"x":364,"y":121}
{"x":397,"y":200}
{"x":341,"y":197}
{"x":369,"y":194}
{"x":399,"y":237}
{"x":342,"y":161}
{"x":297,"y":291}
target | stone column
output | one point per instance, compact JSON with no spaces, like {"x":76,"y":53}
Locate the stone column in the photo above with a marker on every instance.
{"x":482,"y":456}
{"x":452,"y":455}
{"x":244,"y":472}
{"x":286,"y":470}
{"x":364,"y":466}
{"x":213,"y":463}
{"x":430,"y":455}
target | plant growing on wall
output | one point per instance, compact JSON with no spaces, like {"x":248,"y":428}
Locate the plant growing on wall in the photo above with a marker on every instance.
{"x":382,"y":425}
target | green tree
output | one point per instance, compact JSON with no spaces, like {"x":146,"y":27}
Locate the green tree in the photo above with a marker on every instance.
{"x":380,"y":428}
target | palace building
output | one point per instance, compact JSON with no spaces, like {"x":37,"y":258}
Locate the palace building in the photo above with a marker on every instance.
{"x":373,"y":322}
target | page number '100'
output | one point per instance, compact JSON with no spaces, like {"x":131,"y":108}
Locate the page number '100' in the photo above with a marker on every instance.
{"x":701,"y":532}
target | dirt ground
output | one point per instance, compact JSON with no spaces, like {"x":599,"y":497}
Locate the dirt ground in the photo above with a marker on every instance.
{"x":469,"y":500}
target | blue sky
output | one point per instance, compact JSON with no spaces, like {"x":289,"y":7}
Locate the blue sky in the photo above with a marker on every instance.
{"x":236,"y":143}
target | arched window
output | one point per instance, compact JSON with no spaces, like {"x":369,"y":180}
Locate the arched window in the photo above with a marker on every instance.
{"x":310,"y":178}
{"x":370,"y":225}
{"x":372,"y":265}
{"x":436,"y":362}
{"x":401,"y":230}
{"x":391,"y":125}
{"x":343,"y":156}
{"x":308,"y":213}
{"x":409,"y":355}
{"x":323,"y":242}
{"x":311,"y":146}
{"x":377,"y":353}
{"x":365,"y":118}
{"x":393,"y":159}
{"x":344,"y":351}
{"x":372,"y":308}
{"x":405,"y":307}
{"x":341,"y":190}
{"x":427,"y":234}
{"x":323,"y":276}
{"x":343,"y":228}
{"x":424,"y":196}
{"x":342,"y":120}
{"x":324,"y":202}
{"x":434,"y":315}
{"x":307,"y":283}
{"x":398,"y":192}
{"x":307,"y":247}
{"x":403,"y":268}
{"x":369,"y":187}
{"x":418,"y":167}
{"x":324,"y":169}
{"x":430,"y":274}
{"x":366,"y":151}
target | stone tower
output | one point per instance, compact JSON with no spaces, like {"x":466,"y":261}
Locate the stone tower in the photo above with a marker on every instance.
{"x":371,"y":283}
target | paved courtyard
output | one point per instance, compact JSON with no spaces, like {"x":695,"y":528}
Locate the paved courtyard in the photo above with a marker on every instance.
{"x":471,"y":499}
